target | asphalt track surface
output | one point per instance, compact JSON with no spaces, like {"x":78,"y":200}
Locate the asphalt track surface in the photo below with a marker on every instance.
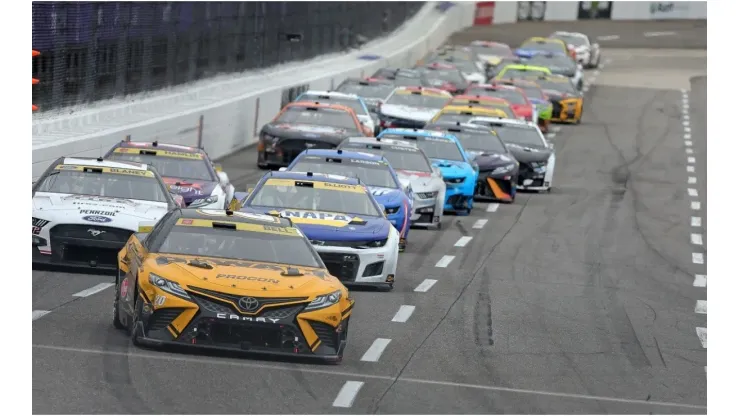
{"x":578,"y":301}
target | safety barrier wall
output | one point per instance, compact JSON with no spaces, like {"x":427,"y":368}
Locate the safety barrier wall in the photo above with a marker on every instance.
{"x":233,"y":109}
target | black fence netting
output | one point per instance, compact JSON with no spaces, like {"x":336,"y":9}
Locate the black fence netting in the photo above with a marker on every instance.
{"x":93,"y":51}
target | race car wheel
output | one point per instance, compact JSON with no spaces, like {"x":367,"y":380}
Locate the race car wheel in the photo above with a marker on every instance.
{"x":116,"y":314}
{"x":135,"y":322}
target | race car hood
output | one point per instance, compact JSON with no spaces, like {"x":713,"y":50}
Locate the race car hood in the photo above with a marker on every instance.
{"x":331,"y":226}
{"x":242,"y":278}
{"x":331,"y":135}
{"x":453,"y":169}
{"x":189,"y":189}
{"x":419,"y":181}
{"x":387,"y":197}
{"x":92,"y":210}
{"x":408,"y":113}
{"x":554,"y":95}
{"x":486,"y":160}
{"x":525,"y":154}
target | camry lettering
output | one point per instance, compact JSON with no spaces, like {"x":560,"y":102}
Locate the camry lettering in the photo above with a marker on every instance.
{"x":246,"y":318}
{"x":247,"y":278}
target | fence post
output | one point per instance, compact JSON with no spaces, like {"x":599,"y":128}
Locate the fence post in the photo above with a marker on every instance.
{"x":34,"y":81}
{"x":200,"y":132}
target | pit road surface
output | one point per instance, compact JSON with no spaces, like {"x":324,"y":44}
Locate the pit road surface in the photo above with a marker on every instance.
{"x":578,"y":301}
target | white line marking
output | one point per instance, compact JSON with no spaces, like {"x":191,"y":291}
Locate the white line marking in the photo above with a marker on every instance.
{"x":686,"y":123}
{"x":444,"y":261}
{"x":585,"y":88}
{"x":683,"y":91}
{"x":695,"y":221}
{"x":688,"y":143}
{"x":701,"y":307}
{"x":692,"y":179}
{"x":608,"y":37}
{"x":479,"y":224}
{"x":700,"y":280}
{"x":376,"y":350}
{"x":691,"y":159}
{"x":555,"y":129}
{"x":463,"y":241}
{"x":404,"y":313}
{"x":696,"y":239}
{"x":38,"y":314}
{"x":693,"y":192}
{"x":697,"y":258}
{"x":702,"y":333}
{"x":492,"y":208}
{"x":93,"y":290}
{"x":425,"y":285}
{"x":654,"y":34}
{"x":596,"y":74}
{"x":689,"y":151}
{"x":686,"y":116}
{"x":695,"y":205}
{"x":687,"y":136}
{"x":690,"y":168}
{"x":347,"y":394}
{"x":550,"y":135}
{"x":687,"y":129}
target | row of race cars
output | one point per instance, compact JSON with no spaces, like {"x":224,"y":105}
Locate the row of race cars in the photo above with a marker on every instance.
{"x":199,"y":263}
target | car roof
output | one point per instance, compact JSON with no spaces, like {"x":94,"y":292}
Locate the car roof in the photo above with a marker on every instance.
{"x":426,"y":91}
{"x":525,"y":67}
{"x":310,"y":176}
{"x":342,"y":154}
{"x":219,"y":215}
{"x":331,"y":94}
{"x":479,"y":97}
{"x":470,"y":108}
{"x":508,"y":121}
{"x":157,"y":145}
{"x":382,"y":142}
{"x":104,"y":163}
{"x":421,"y":133}
{"x":316,"y":104}
{"x":462,"y":126}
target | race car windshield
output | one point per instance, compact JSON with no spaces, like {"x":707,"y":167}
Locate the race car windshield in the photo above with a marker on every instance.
{"x":558,"y":63}
{"x":171,"y":167}
{"x":544,"y":46}
{"x":561,"y":86}
{"x":572,"y":40}
{"x":408,"y":82}
{"x":462,"y":65}
{"x":497,"y":105}
{"x":512,"y":96}
{"x":411,"y":160}
{"x":434,"y":148}
{"x":103,"y":184}
{"x":494,"y":50}
{"x":444,"y":75}
{"x":533,"y":92}
{"x":462,"y":118}
{"x":527,"y":137}
{"x":371,"y":175}
{"x":417,"y":100}
{"x":230,"y":244}
{"x":352,"y":103}
{"x":367,"y":91}
{"x":480,"y":141}
{"x":315,"y":199}
{"x":512,"y":73}
{"x":318,"y":117}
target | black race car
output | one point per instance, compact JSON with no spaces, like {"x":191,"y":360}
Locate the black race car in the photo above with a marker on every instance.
{"x":498,"y":169}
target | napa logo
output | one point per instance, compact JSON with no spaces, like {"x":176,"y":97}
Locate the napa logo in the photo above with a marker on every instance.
{"x":329,"y":219}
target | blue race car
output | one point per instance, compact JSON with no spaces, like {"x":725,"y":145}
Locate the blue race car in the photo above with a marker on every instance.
{"x":373,"y":171}
{"x":459,"y":172}
{"x":345,"y":224}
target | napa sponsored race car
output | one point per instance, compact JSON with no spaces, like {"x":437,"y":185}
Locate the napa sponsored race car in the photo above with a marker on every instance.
{"x":458,"y":171}
{"x":372,"y":170}
{"x":411,"y":107}
{"x":223,"y":280}
{"x":414,"y":170}
{"x":188,"y":171}
{"x":498,"y":168}
{"x":536,"y":156}
{"x":85,"y":209}
{"x":339,"y":216}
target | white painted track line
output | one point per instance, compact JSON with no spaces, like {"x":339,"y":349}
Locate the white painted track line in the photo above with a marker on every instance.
{"x":692,"y":180}
{"x":700,"y":280}
{"x":93,"y":290}
{"x":696,"y":239}
{"x":404,"y":313}
{"x":696,"y":221}
{"x":701,"y":307}
{"x":697,"y":258}
{"x":425,"y":285}
{"x":376,"y":350}
{"x":689,"y":151}
{"x":691,"y":159}
{"x":479,"y":224}
{"x":695,"y":205}
{"x":693,"y":192}
{"x":702,"y":333}
{"x":607,"y":37}
{"x":444,"y":261}
{"x":38,"y":314}
{"x":690,"y":169}
{"x":463,"y":241}
{"x":492,"y":208}
{"x":347,"y":394}
{"x":688,"y":143}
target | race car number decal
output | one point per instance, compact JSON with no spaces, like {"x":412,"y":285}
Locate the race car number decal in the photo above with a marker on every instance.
{"x":37,"y":224}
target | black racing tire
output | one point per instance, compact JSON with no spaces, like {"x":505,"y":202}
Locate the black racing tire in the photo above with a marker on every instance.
{"x":135,"y":323}
{"x":116,"y":299}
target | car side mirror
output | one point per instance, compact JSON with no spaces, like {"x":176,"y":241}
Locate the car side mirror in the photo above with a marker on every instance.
{"x":179,"y":200}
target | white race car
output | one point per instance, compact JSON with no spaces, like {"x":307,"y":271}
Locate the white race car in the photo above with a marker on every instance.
{"x":536,"y":156}
{"x":352,"y":101}
{"x":412,"y":168}
{"x":588,"y":54}
{"x":411,"y":107}
{"x":85,"y":209}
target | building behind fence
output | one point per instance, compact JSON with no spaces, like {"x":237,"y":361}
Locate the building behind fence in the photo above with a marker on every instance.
{"x":96,"y":51}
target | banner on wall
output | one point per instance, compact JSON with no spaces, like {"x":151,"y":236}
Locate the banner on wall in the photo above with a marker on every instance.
{"x":588,"y":10}
{"x":669,"y":10}
{"x":531,"y":10}
{"x":484,"y":13}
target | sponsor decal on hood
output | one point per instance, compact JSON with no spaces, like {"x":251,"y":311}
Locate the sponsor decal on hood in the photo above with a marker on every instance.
{"x":307,"y":128}
{"x":409,"y":112}
{"x":190,"y":189}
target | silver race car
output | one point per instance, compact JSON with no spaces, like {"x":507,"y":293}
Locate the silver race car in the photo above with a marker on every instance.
{"x":412,"y":167}
{"x":411,"y":107}
{"x":588,"y":54}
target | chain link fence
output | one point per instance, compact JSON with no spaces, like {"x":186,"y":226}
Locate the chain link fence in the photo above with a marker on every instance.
{"x":93,"y":51}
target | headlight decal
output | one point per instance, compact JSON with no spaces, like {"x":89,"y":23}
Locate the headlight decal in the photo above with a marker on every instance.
{"x":168,"y":286}
{"x":324,"y":301}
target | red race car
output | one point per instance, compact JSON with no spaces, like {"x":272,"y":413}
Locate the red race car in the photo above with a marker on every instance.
{"x":521,"y":105}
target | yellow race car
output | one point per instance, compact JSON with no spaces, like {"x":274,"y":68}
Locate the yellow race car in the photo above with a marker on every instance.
{"x":567,"y":101}
{"x":463,"y":113}
{"x":225,"y":280}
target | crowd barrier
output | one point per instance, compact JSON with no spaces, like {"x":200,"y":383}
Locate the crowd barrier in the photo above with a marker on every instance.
{"x":225,"y":114}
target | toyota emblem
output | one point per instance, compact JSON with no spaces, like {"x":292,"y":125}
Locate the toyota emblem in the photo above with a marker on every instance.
{"x":249,"y":304}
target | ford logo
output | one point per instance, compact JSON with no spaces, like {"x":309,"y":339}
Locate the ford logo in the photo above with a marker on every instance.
{"x":97,"y":218}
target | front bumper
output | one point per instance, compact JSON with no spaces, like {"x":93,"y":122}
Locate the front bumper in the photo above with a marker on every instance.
{"x":71,"y":245}
{"x":531,"y":180}
{"x":428,"y":212}
{"x":567,"y":111}
{"x":352,"y":266}
{"x":284,"y":330}
{"x":459,"y":196}
{"x":495,"y":187}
